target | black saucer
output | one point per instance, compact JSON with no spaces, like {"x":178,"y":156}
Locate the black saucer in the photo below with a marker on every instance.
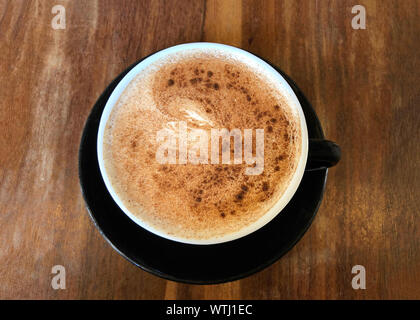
{"x":199,"y":264}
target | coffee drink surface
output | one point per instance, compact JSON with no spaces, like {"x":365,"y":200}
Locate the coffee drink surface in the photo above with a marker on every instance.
{"x":205,"y":90}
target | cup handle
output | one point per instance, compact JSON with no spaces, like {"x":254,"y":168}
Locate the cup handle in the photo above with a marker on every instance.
{"x":322,"y":154}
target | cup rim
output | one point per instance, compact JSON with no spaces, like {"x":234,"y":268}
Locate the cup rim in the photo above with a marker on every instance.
{"x":287,"y":92}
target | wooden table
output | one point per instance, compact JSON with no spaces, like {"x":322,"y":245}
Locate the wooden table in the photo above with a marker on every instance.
{"x":364,"y":85}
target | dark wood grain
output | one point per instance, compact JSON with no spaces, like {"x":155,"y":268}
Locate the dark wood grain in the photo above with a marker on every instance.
{"x":364,"y":85}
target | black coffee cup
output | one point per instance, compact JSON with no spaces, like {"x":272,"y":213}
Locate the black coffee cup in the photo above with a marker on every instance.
{"x":314,"y":155}
{"x":322,"y":154}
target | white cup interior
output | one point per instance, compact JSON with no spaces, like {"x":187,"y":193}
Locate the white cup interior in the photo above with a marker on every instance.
{"x":246,"y":57}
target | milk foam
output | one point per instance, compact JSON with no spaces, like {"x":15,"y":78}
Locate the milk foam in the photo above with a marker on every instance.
{"x":206,"y":89}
